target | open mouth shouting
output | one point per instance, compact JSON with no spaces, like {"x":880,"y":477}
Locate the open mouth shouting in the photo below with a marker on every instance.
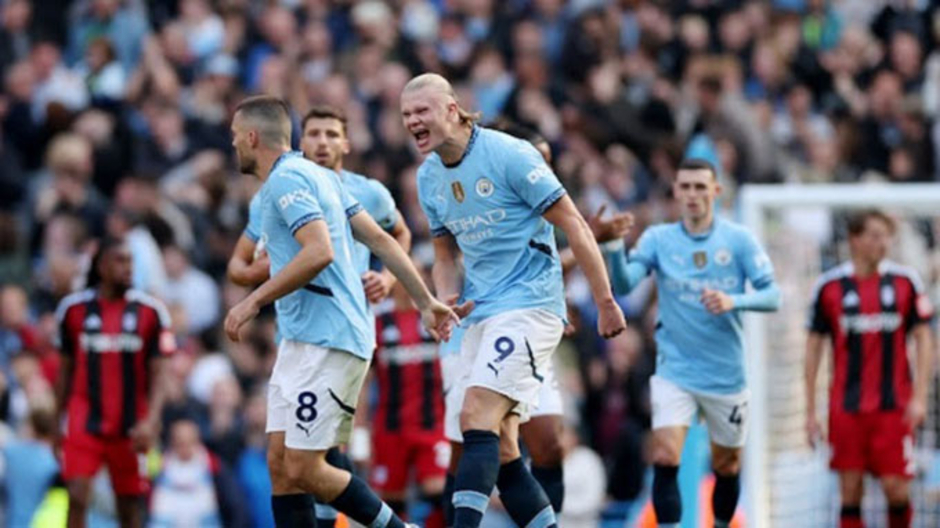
{"x":422,"y":138}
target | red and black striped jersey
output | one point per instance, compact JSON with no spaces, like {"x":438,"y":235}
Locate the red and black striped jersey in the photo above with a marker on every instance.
{"x":109,"y":342}
{"x":408,"y":372}
{"x":868,"y":320}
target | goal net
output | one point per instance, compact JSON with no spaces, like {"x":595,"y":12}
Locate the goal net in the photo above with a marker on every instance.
{"x":803,"y":229}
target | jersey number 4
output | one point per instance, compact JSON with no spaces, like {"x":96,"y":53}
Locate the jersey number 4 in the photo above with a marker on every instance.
{"x":736,"y":415}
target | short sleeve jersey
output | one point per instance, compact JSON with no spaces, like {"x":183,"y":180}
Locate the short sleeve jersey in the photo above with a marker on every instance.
{"x":492,"y":203}
{"x":331,"y":311}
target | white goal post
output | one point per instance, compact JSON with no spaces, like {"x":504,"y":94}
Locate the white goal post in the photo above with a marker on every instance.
{"x":757,"y":202}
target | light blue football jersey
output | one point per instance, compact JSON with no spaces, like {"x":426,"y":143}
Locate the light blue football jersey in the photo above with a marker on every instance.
{"x":253,"y":227}
{"x":331,"y":311}
{"x":380,"y":205}
{"x":373,"y":196}
{"x":697,"y":350}
{"x":492,"y":203}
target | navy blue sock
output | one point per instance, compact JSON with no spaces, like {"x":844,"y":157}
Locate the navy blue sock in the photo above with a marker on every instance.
{"x":666,"y":500}
{"x":552,"y":480}
{"x":476,"y":477}
{"x":399,"y":507}
{"x":725,"y":496}
{"x":448,"y":499}
{"x":525,"y":501}
{"x":326,"y":514}
{"x":294,"y":511}
{"x":339,"y":459}
{"x":362,"y":505}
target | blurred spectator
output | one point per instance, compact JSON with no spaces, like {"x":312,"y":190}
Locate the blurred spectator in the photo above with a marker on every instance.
{"x":15,"y":35}
{"x":204,"y":29}
{"x":65,"y":186}
{"x":29,"y":467}
{"x":585,"y":483}
{"x":211,"y":367}
{"x":252,"y":464}
{"x":15,"y":332}
{"x":149,"y":270}
{"x":226,"y":427}
{"x":618,"y":401}
{"x":179,"y":404}
{"x":103,"y":75}
{"x":194,"y":488}
{"x":123,"y":22}
{"x":165,"y":143}
{"x":278,"y":35}
{"x":57,"y":89}
{"x":192,"y":289}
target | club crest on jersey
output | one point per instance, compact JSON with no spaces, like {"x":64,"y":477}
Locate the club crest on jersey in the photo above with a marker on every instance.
{"x":722,"y":257}
{"x":129,"y":322}
{"x":485,"y":188}
{"x":92,"y":322}
{"x":850,"y":300}
{"x":457,"y":188}
{"x":700,"y":258}
{"x":887,"y":296}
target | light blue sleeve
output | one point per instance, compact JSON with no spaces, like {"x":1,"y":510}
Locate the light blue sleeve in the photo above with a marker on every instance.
{"x":759,"y":271}
{"x":294,"y":199}
{"x":530,"y":177}
{"x":350,"y":204}
{"x":626,"y":273}
{"x":253,"y":228}
{"x":426,"y":198}
{"x":385,"y":213}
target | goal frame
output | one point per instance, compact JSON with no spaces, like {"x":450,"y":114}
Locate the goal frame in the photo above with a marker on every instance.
{"x":755,"y":199}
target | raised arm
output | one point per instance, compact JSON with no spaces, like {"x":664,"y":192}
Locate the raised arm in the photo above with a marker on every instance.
{"x":565,"y":216}
{"x":608,"y":230}
{"x":624,"y":273}
{"x":379,"y":285}
{"x":437,"y":318}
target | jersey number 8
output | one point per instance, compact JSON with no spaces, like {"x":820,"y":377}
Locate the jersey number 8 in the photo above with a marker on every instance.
{"x":306,"y":412}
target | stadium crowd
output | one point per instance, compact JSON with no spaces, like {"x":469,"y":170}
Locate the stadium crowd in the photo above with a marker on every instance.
{"x":115,"y":120}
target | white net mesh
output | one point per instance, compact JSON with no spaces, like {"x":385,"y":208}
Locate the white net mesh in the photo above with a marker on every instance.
{"x":789,"y":483}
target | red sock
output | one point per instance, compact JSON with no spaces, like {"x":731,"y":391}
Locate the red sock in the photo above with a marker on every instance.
{"x":851,"y":517}
{"x":899,"y":516}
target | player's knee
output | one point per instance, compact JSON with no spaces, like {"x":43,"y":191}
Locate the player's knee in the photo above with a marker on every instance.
{"x":897,"y":491}
{"x":727,"y":463}
{"x":473,"y":416}
{"x":79,"y":495}
{"x":546,"y":450}
{"x":508,"y":449}
{"x":851,"y":490}
{"x":666,"y":454}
